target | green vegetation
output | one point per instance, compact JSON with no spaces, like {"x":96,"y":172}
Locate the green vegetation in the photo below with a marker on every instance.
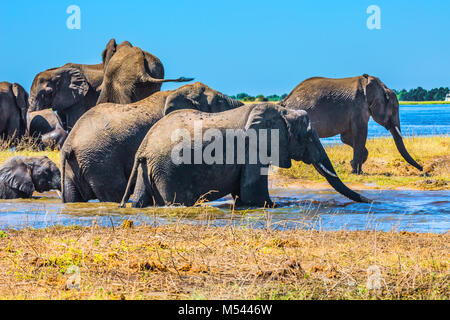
{"x":244,"y":97}
{"x":421,"y":94}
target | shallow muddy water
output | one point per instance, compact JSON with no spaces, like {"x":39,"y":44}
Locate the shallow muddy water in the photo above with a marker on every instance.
{"x":418,"y":211}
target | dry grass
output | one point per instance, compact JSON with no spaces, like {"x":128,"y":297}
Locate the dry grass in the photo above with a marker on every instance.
{"x":201,"y":262}
{"x":385,"y":168}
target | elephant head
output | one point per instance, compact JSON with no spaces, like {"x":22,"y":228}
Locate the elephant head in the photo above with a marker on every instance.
{"x":384,"y":109}
{"x":58,"y":88}
{"x":111,"y":49}
{"x":200,"y":97}
{"x":28,"y":174}
{"x":298,"y":141}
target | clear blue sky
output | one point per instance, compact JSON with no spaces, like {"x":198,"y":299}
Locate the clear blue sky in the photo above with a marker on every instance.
{"x":237,"y":46}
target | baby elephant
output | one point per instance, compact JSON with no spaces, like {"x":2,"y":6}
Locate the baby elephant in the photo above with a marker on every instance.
{"x":21,"y":176}
{"x":191,"y":155}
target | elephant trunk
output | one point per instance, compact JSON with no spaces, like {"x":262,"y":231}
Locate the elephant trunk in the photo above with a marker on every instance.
{"x":395,"y":131}
{"x":323,"y":165}
{"x":56,"y":183}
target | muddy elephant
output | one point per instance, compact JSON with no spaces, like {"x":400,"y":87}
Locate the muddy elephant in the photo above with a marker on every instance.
{"x":47,"y":128}
{"x":21,"y":176}
{"x":130,"y":74}
{"x":228,"y":159}
{"x":344,"y":106}
{"x":98,"y":154}
{"x":13,"y":110}
{"x":69,"y":90}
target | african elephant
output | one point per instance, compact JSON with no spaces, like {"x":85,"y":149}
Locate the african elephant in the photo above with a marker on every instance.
{"x":13,"y":110}
{"x":46,"y":127}
{"x":70,"y":90}
{"x":131,"y":74}
{"x":161,"y":178}
{"x":21,"y":176}
{"x":98,"y":154}
{"x":344,"y":106}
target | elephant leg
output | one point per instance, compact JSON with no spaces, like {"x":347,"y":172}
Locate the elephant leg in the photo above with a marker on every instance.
{"x":71,"y":193}
{"x":110,"y":190}
{"x":254,"y":190}
{"x":356,"y":138}
{"x":142,"y":196}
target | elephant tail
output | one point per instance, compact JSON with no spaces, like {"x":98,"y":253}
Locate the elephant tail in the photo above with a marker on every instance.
{"x":131,"y":182}
{"x":148,"y":78}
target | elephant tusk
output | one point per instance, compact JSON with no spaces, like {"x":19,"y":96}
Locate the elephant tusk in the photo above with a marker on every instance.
{"x":59,"y":193}
{"x":398,"y":131}
{"x":327,"y":171}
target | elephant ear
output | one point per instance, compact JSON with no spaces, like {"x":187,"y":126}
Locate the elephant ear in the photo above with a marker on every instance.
{"x":269,"y":116}
{"x":21,"y":96}
{"x":108,"y":52}
{"x":377,"y":99}
{"x":374,"y":91}
{"x":18,"y":177}
{"x":72,"y":86}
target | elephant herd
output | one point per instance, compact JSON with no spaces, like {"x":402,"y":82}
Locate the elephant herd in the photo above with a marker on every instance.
{"x":115,"y":130}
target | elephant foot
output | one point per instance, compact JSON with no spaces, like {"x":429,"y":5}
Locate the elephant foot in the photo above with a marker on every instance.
{"x":356,"y":169}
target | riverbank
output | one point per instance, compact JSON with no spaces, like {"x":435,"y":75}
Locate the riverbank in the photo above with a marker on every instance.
{"x":422,"y":102}
{"x":384,"y":168}
{"x":200,"y":262}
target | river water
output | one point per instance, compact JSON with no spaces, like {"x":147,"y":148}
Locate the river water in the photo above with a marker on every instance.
{"x":415,"y":120}
{"x":415,"y":211}
{"x":418,"y":211}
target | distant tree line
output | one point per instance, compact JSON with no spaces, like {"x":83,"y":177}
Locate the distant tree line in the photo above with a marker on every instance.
{"x":418,"y":94}
{"x":259,"y":98}
{"x":421,"y":94}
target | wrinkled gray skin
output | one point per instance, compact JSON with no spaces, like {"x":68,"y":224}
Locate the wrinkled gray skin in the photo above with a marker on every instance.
{"x":344,"y":106}
{"x":70,"y":90}
{"x":13,"y":110}
{"x":21,"y":176}
{"x":159,"y":181}
{"x":46,"y":126}
{"x":97,"y":157}
{"x":131,"y":74}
